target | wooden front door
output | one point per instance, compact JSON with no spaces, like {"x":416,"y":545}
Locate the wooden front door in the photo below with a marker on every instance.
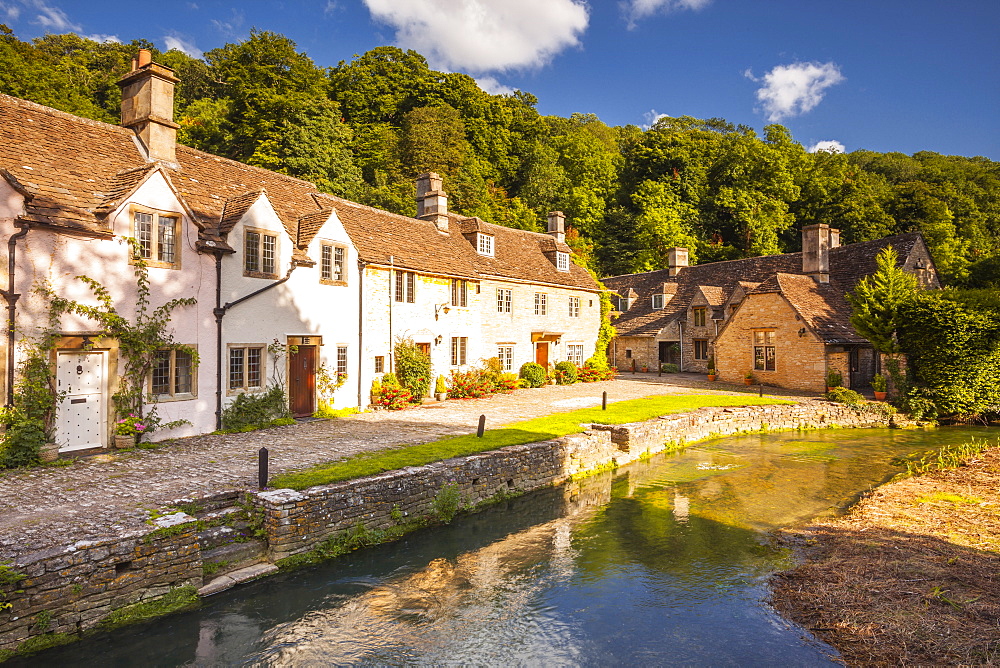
{"x":302,"y":381}
{"x":542,"y":354}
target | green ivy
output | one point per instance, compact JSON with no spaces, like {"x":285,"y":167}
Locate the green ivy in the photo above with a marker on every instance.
{"x":255,"y":411}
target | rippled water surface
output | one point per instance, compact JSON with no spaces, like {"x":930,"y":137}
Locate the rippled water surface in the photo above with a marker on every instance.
{"x":662,"y":562}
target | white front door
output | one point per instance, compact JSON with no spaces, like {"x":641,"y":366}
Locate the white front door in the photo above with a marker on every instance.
{"x":80,"y":419}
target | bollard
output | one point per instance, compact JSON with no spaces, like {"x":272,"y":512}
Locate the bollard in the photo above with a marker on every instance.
{"x":659,"y":368}
{"x":262,"y":468}
{"x":482,"y":426}
{"x":761,"y":390}
{"x":604,"y":401}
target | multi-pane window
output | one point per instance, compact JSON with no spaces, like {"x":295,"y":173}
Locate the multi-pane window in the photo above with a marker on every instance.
{"x":574,"y":353}
{"x":624,"y":303}
{"x":541,"y":300}
{"x":658,"y":301}
{"x":156,"y":236}
{"x":172,"y":374}
{"x":459,"y":292}
{"x":701,"y":349}
{"x":503,"y":300}
{"x":484,"y":244}
{"x":506,"y":356}
{"x":260,"y":253}
{"x":341,"y":360}
{"x":459,"y":345}
{"x":406,"y":282}
{"x":331,"y":263}
{"x":574,"y":307}
{"x":763,"y":350}
{"x":379,"y":364}
{"x":699,"y":316}
{"x":246,"y":367}
{"x":562,"y":261}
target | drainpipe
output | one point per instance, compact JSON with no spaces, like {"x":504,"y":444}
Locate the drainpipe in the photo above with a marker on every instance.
{"x":220,"y":311}
{"x":361,"y":329}
{"x":12,"y":298}
{"x":392,"y":276}
{"x":680,"y":344}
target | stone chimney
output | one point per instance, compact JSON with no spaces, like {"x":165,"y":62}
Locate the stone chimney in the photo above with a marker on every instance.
{"x":148,"y":106}
{"x":817,"y":240}
{"x":557,"y":225}
{"x":432,"y":201}
{"x":677,"y":259}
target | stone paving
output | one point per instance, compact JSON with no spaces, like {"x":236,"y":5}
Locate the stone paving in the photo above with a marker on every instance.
{"x":102,"y":495}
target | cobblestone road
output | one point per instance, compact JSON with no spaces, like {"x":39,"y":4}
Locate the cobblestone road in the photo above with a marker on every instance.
{"x":102,"y":495}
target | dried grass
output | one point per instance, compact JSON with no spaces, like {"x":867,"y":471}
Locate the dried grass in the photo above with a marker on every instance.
{"x":911,"y":576}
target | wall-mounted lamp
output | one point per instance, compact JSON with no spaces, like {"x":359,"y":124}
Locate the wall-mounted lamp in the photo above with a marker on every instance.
{"x":440,"y":308}
{"x":438,"y":339}
{"x":86,"y":344}
{"x":802,"y":332}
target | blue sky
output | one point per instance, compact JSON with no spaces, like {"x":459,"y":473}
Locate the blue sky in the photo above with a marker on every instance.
{"x":884,"y":75}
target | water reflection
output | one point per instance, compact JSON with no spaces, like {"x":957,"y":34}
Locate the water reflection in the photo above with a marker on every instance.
{"x":662,"y":562}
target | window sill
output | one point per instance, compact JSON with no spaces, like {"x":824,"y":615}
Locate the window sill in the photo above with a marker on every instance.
{"x":259,"y":274}
{"x":156,"y":264}
{"x":167,"y":398}
{"x":234,"y":391}
{"x":324,"y":281}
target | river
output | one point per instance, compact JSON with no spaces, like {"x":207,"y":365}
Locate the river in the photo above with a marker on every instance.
{"x":662,"y":562}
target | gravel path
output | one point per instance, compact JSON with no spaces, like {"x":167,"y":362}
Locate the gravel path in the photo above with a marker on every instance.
{"x":101,"y":495}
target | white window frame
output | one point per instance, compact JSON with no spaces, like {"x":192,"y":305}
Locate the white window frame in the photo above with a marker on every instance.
{"x":574,"y":307}
{"x":574,"y":353}
{"x":459,"y":292}
{"x":504,"y":300}
{"x":257,"y":264}
{"x":505,"y":353}
{"x":341,"y":360}
{"x":484,"y":244}
{"x":658,"y":301}
{"x":562,"y":261}
{"x":331,"y":263}
{"x":459,"y":350}
{"x":405,"y":287}
{"x":541,"y":303}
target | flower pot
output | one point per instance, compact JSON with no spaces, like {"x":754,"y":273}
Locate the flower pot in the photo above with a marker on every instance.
{"x":645,"y":369}
{"x":711,"y":376}
{"x":49,"y":452}
{"x":124,"y":442}
{"x":880,"y":396}
{"x":441,"y":396}
{"x":748,"y":381}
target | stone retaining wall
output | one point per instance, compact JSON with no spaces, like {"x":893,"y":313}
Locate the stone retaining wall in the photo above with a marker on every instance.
{"x":78,"y":586}
{"x":71,"y":589}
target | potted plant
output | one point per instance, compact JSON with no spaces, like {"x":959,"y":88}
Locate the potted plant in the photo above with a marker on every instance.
{"x":645,"y":368}
{"x":440,"y":389}
{"x":128,"y":430}
{"x":879,"y":386}
{"x":833,"y":379}
{"x":749,"y":378}
{"x":711,"y":368}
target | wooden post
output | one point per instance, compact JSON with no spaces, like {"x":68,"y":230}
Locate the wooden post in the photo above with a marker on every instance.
{"x":604,"y":401}
{"x":262,"y":468}
{"x":482,"y":426}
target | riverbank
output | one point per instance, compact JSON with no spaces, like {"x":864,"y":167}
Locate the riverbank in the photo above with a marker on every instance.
{"x":911,"y":576}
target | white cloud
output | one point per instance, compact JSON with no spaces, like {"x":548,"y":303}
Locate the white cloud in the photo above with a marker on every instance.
{"x":831,"y":145}
{"x":635,"y":10}
{"x":103,"y":39}
{"x":10,"y":12}
{"x":790,"y":90}
{"x":651,"y":117}
{"x":485,"y":35}
{"x":54,"y":18}
{"x":331,"y":7}
{"x":494,"y":87}
{"x":174,"y":40}
{"x":232,"y":26}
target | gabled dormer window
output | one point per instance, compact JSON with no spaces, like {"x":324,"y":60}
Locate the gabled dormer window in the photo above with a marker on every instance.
{"x":658,"y":301}
{"x":562,"y":261}
{"x":484,"y":244}
{"x":624,"y":303}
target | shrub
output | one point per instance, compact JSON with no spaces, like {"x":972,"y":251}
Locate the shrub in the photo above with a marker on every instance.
{"x":842,"y":395}
{"x":879,"y":383}
{"x":565,"y":373}
{"x":670,"y":368}
{"x":471,"y":384}
{"x":29,"y":420}
{"x":834,"y":378}
{"x":254,"y":411}
{"x":507,"y":383}
{"x":591,"y":374}
{"x":440,"y":387}
{"x":393,"y":397}
{"x":413,"y":368}
{"x":533,"y":374}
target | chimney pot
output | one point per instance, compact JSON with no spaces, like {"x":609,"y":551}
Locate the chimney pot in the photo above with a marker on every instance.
{"x":145,"y":57}
{"x":432,"y":201}
{"x":557,"y":225}
{"x":677,"y":259}
{"x":816,"y":243}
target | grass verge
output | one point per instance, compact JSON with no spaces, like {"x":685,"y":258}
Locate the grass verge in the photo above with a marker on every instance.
{"x":909,"y":576}
{"x":529,"y":431}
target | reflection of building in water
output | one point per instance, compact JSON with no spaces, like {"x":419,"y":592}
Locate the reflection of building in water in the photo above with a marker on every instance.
{"x":488,"y":598}
{"x":682,"y":507}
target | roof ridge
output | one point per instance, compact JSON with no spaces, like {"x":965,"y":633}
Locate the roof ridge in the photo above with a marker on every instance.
{"x":63,"y":114}
{"x":244,"y":164}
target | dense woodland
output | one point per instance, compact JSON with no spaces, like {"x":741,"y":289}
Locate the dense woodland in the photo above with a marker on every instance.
{"x":365,"y":128}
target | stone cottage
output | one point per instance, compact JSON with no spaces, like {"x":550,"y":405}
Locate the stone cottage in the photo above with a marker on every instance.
{"x":783,"y":318}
